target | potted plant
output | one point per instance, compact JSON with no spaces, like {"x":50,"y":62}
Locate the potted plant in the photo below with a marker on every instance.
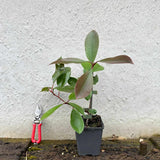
{"x":87,"y":124}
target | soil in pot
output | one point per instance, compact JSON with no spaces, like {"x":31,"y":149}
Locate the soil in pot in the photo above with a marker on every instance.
{"x":95,"y":121}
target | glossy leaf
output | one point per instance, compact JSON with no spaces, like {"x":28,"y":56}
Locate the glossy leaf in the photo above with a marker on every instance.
{"x":59,"y":66}
{"x":72,"y":96}
{"x":84,"y":85}
{"x":63,"y":79}
{"x":76,"y":121}
{"x":72,"y":81}
{"x":61,"y":71}
{"x":89,"y":96}
{"x":94,"y":92}
{"x":56,"y":74}
{"x":91,"y":45}
{"x":68,"y":89}
{"x":87,"y":116}
{"x":92,"y":111}
{"x":50,"y":111}
{"x":117,"y":59}
{"x":67,"y":60}
{"x":45,"y":89}
{"x":95,"y":79}
{"x":87,"y":66}
{"x":77,"y":107}
{"x":97,"y":67}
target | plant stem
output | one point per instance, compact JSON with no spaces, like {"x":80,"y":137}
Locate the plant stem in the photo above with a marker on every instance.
{"x":91,"y":99}
{"x":87,"y":122}
{"x":58,"y":97}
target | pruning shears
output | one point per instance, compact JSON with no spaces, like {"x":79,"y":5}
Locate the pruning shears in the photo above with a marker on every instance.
{"x":37,"y":121}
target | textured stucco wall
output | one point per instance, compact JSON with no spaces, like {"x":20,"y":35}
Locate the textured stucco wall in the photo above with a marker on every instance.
{"x":33,"y":33}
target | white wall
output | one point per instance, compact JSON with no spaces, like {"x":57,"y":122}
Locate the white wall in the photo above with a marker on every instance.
{"x":33,"y":33}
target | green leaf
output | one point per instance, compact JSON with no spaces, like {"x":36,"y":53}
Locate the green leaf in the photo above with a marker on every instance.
{"x":68,"y":89}
{"x":95,"y":79}
{"x":92,"y":111}
{"x":63,"y":79}
{"x":84,"y":85}
{"x":97,"y":67}
{"x":117,"y":59}
{"x":87,"y":116}
{"x":72,"y":81}
{"x":50,"y":111}
{"x":87,"y":66}
{"x":89,"y":96}
{"x":76,"y":121}
{"x":59,"y":72}
{"x":56,"y":74}
{"x":94,"y":92}
{"x":91,"y":45}
{"x":45,"y":89}
{"x":77,"y":107}
{"x":67,"y":60}
{"x":72,"y":96}
{"x":59,"y":66}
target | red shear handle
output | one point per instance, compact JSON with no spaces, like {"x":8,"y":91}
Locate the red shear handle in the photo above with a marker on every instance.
{"x":39,"y":133}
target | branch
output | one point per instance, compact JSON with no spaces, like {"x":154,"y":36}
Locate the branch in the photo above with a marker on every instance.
{"x":51,"y":90}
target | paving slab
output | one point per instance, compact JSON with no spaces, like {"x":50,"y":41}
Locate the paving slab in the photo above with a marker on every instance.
{"x":12,"y":149}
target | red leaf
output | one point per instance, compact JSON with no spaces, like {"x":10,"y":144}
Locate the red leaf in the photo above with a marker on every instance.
{"x":84,"y":85}
{"x":117,"y":59}
{"x":67,"y":60}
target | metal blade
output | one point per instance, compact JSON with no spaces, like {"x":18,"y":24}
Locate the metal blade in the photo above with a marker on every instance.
{"x":38,"y":111}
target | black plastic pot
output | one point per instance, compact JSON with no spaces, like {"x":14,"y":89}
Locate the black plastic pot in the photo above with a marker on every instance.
{"x":89,"y":141}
